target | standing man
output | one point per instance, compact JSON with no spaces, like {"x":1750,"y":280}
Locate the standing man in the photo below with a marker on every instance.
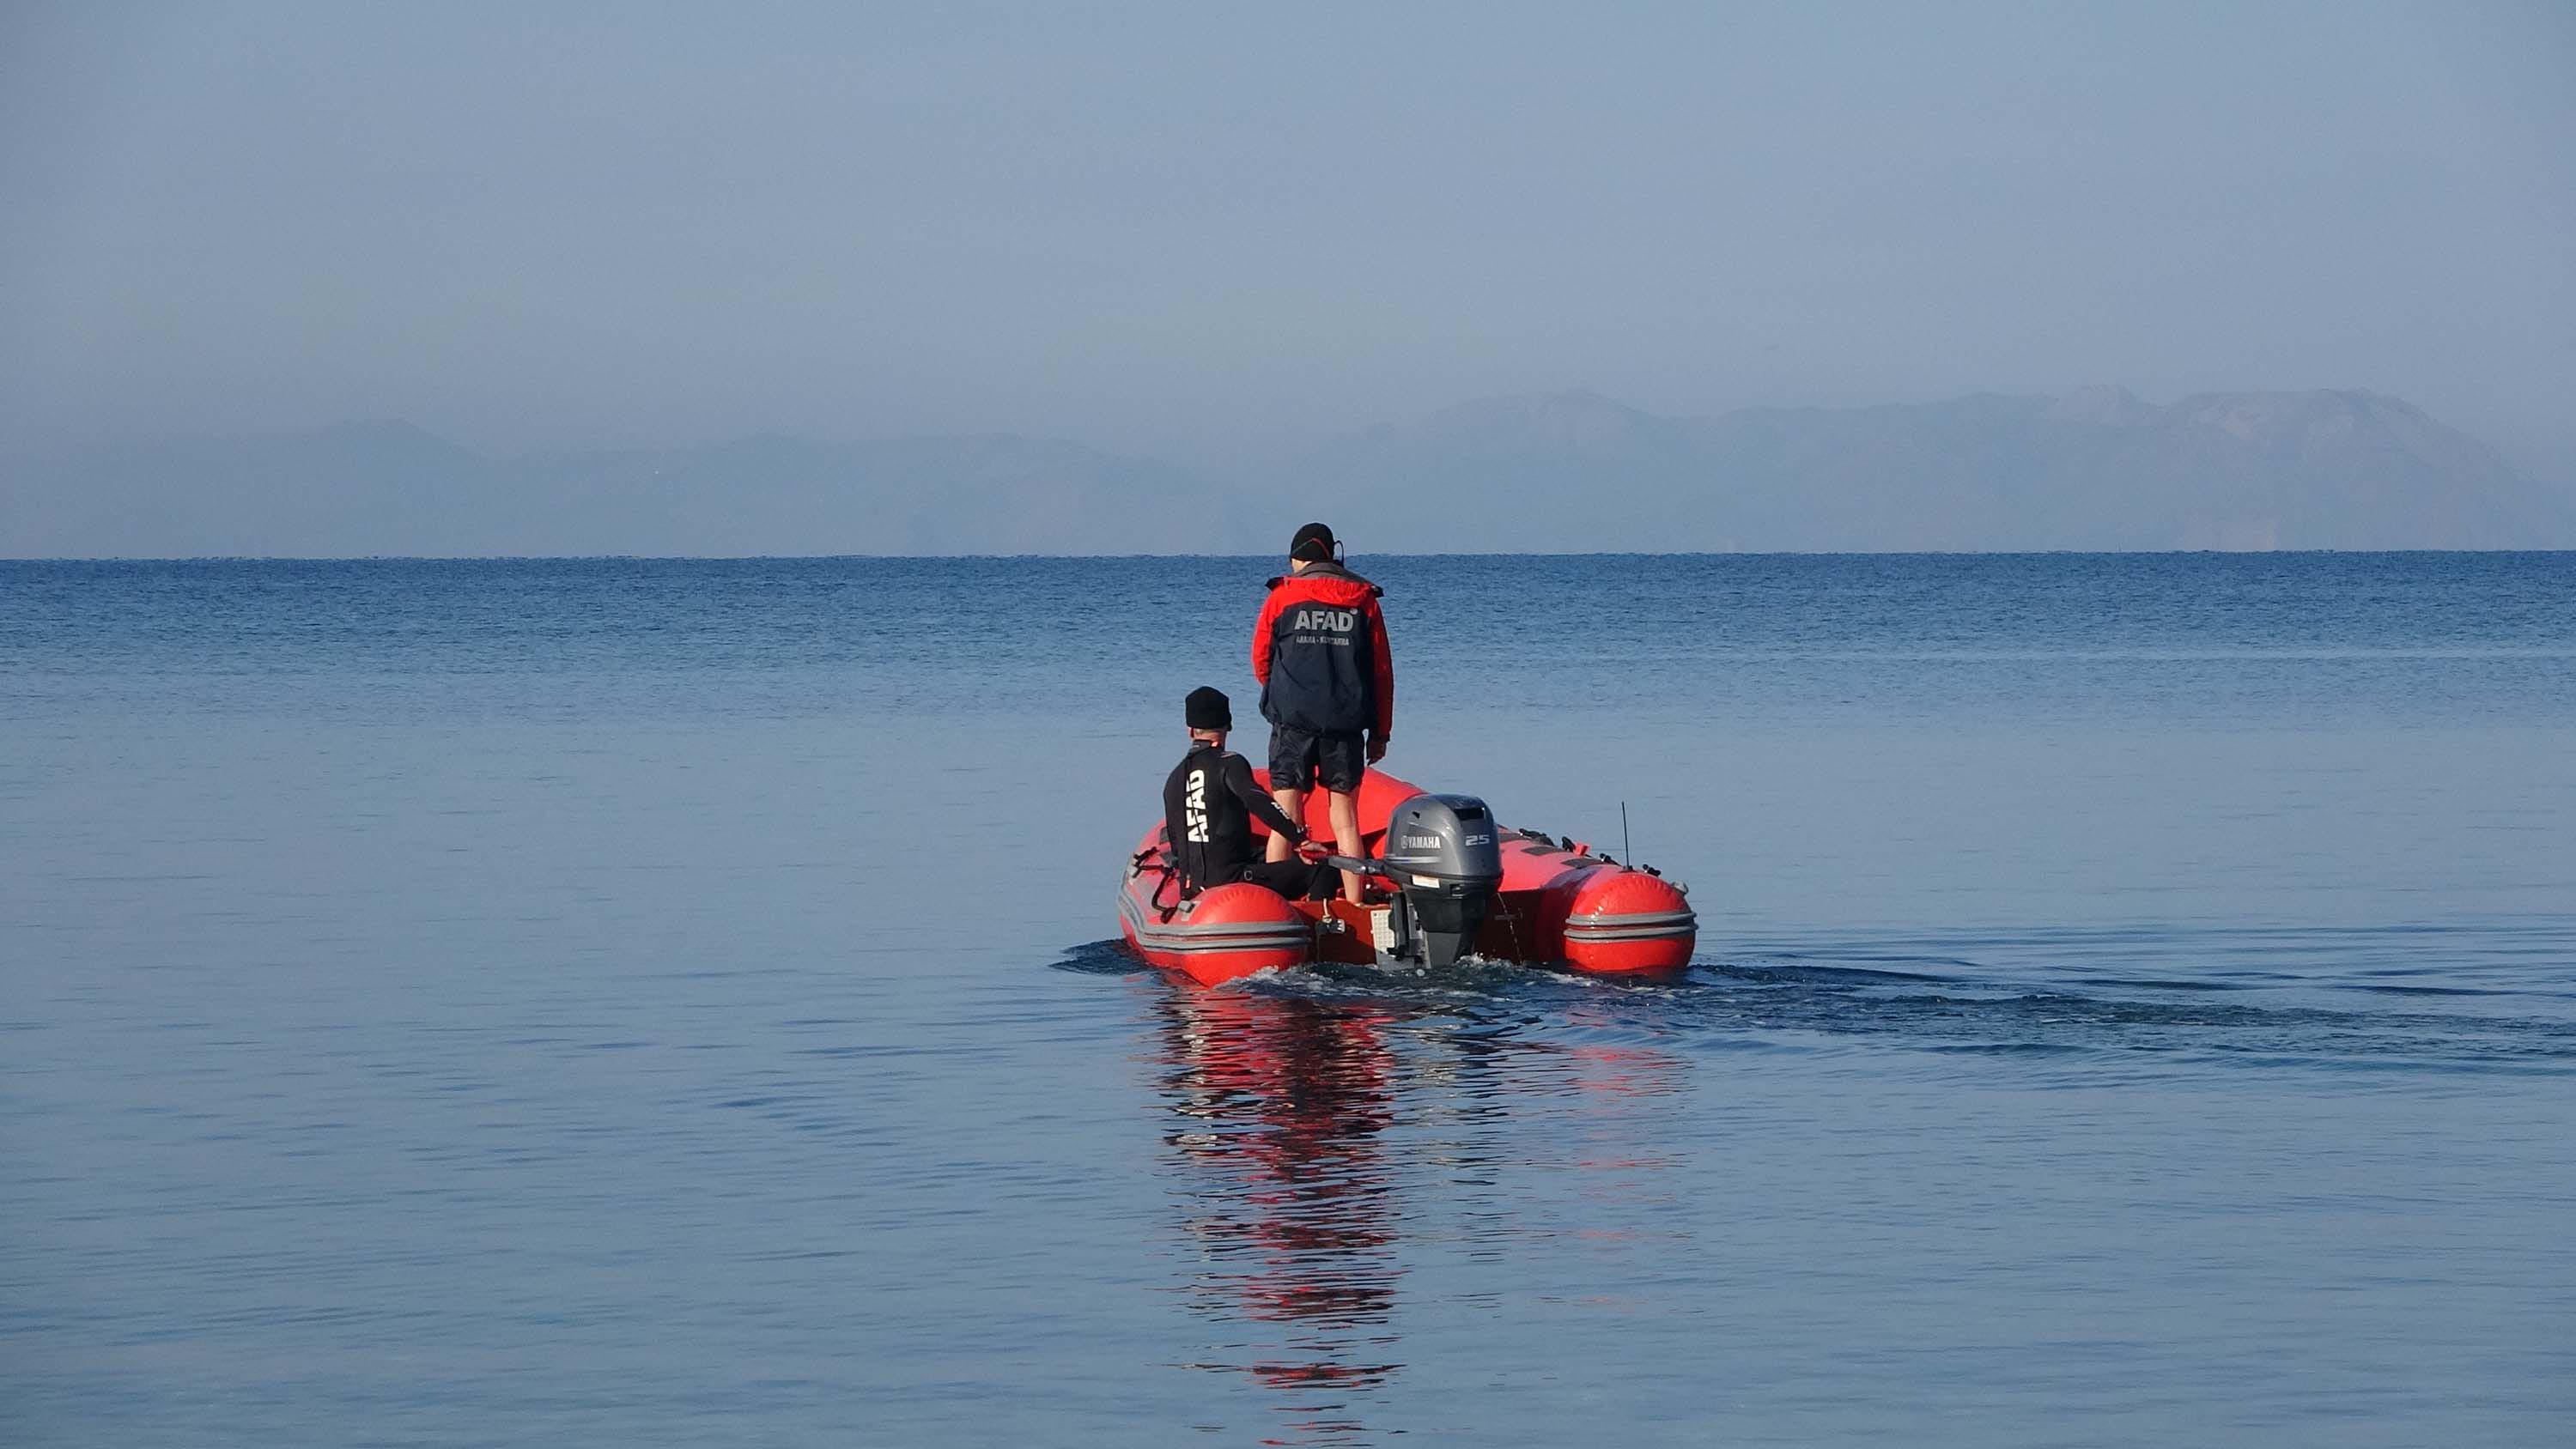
{"x":1208,"y":804}
{"x":1327,"y":686}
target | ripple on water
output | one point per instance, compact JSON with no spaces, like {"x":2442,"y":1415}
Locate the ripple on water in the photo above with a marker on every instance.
{"x":2266,"y":998}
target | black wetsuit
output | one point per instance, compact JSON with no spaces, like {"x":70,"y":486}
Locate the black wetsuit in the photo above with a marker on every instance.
{"x":1208,"y":805}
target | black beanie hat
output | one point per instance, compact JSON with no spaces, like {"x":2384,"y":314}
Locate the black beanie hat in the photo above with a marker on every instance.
{"x":1313,"y":543}
{"x":1208,"y":709}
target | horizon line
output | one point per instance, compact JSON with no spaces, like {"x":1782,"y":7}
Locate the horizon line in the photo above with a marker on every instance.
{"x":1238,"y":557}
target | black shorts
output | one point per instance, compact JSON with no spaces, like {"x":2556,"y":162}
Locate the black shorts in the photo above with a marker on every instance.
{"x":1299,"y":757}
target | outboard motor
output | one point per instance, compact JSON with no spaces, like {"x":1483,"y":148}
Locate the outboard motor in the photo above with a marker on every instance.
{"x":1444,"y":862}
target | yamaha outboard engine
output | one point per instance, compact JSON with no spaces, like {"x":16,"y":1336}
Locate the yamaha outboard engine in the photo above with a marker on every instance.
{"x":1442,"y":856}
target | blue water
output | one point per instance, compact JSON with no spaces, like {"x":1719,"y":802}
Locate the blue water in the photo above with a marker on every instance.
{"x":628,"y":1002}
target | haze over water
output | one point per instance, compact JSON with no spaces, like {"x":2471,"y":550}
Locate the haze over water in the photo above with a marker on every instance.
{"x":626,"y":1002}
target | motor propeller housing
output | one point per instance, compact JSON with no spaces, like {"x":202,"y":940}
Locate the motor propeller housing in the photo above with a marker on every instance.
{"x":1443,"y":857}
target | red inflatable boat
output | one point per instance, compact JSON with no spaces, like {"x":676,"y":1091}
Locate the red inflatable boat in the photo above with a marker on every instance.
{"x":1456,"y":882}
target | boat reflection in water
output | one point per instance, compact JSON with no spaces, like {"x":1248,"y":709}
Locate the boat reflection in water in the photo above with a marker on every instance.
{"x":1278,"y":1105}
{"x":1529,"y":1174}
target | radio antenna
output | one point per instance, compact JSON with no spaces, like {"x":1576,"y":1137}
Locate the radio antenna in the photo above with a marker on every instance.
{"x":1625,"y":853}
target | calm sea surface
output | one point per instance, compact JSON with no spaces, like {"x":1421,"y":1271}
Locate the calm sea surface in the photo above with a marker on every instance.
{"x":627,"y":1002}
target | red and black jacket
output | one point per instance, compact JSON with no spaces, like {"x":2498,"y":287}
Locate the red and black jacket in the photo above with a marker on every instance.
{"x":1319,"y":650}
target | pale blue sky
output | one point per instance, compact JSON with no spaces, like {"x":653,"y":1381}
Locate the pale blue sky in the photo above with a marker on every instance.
{"x":1204,"y":229}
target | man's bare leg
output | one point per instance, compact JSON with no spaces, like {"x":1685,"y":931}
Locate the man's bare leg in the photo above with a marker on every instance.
{"x":1292,"y":803}
{"x":1345,"y":810}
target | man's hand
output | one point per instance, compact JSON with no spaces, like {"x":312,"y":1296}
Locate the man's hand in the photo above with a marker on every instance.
{"x":1376,"y":748}
{"x":1313,"y":849}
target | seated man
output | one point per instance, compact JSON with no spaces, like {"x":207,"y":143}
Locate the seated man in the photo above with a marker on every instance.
{"x":1208,"y":805}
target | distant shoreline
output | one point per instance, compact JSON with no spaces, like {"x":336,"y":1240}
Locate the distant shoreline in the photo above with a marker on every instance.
{"x":2094,"y":470}
{"x":1268,"y":560}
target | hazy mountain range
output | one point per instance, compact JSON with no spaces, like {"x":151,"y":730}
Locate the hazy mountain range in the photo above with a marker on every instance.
{"x":2094,"y":469}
